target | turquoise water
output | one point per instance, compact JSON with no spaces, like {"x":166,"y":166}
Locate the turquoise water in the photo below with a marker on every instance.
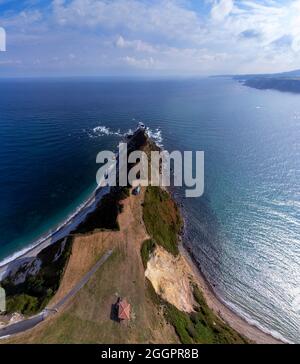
{"x":244,"y":231}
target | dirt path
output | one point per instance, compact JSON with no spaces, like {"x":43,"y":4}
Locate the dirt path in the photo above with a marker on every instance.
{"x":87,"y":317}
{"x":89,"y":247}
{"x":26,"y":324}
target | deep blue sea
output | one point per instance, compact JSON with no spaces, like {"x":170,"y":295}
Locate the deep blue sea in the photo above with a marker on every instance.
{"x":244,"y":230}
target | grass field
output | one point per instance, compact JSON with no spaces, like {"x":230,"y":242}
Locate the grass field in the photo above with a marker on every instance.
{"x":162,"y":218}
{"x":87,"y":317}
{"x":36,"y":291}
{"x":131,"y":226}
{"x":163,"y":223}
{"x":147,"y":248}
{"x":201,"y":326}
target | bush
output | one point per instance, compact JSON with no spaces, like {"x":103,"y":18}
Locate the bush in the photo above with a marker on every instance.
{"x":201,"y":326}
{"x":148,"y":247}
{"x":180,"y":321}
{"x":22,"y":303}
{"x":162,"y":218}
{"x":33,"y":295}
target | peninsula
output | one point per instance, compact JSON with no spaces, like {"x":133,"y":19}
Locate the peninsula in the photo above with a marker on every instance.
{"x":139,"y":234}
{"x":285,"y":82}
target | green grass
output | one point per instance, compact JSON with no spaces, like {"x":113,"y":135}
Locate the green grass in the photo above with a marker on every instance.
{"x":148,"y":247}
{"x":162,"y":218}
{"x":33,"y":295}
{"x":88,"y":320}
{"x":22,"y":303}
{"x":201,"y":326}
{"x":163,"y":223}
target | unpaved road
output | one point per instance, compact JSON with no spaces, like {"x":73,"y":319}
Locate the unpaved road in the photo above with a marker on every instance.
{"x":27,"y":324}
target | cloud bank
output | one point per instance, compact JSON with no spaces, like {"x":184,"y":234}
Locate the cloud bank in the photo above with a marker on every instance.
{"x":158,"y":37}
{"x":2,"y":40}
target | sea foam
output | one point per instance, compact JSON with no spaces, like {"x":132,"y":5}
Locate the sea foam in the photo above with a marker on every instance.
{"x":102,"y":130}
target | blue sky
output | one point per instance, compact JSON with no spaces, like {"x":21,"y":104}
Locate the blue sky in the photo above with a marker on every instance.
{"x":149,"y":38}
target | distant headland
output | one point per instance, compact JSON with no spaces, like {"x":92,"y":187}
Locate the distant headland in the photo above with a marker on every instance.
{"x":285,"y":82}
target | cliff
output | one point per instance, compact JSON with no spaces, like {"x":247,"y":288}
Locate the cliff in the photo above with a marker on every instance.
{"x":146,"y":267}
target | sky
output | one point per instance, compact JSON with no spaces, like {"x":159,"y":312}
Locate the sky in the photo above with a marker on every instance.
{"x":148,"y":37}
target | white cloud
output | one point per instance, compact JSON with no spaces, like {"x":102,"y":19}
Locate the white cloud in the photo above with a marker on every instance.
{"x":22,"y":19}
{"x":188,"y":60}
{"x":137,"y":45}
{"x":144,"y":63}
{"x":2,"y":40}
{"x":168,"y":36}
{"x":221,"y":9}
{"x":164,"y":18}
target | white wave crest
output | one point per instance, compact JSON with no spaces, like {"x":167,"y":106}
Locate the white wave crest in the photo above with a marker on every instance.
{"x":156,"y":135}
{"x":99,"y":131}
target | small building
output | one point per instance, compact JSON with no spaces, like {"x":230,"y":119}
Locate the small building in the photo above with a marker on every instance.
{"x":137,"y":190}
{"x":141,"y":126}
{"x":123,"y":309}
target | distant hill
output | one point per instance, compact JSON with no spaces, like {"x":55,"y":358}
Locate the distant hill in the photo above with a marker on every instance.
{"x":292,"y":74}
{"x":285,"y":81}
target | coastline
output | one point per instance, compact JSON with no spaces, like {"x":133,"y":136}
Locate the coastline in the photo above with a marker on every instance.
{"x":61,"y":231}
{"x":221,"y":308}
{"x":232,"y":318}
{"x":66,"y":227}
{"x":227,"y":314}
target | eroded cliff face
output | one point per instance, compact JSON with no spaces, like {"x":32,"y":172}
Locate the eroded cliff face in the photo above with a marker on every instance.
{"x":171,"y":279}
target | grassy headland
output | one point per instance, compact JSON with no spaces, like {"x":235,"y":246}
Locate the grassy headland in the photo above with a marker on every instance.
{"x":35,"y":290}
{"x":163,"y":223}
{"x":162,"y":218}
{"x":143,"y":232}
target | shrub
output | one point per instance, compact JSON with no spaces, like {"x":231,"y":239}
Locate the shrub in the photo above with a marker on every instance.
{"x":22,"y":303}
{"x":146,"y":250}
{"x":162,"y":218}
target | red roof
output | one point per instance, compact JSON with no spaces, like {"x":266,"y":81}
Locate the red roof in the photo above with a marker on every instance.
{"x":124,"y":310}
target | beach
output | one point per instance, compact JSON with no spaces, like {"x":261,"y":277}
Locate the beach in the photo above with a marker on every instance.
{"x":224,"y":312}
{"x":215,"y":303}
{"x":12,"y":262}
{"x":243,"y":231}
{"x":231,"y":318}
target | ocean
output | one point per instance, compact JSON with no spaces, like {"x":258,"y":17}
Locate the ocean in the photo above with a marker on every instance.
{"x":244,"y":231}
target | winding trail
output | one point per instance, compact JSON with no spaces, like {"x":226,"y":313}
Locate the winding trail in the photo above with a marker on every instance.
{"x":29,"y":323}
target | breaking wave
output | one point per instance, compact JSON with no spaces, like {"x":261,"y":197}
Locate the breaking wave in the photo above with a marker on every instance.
{"x":79,"y":214}
{"x":156,"y":136}
{"x":101,"y":130}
